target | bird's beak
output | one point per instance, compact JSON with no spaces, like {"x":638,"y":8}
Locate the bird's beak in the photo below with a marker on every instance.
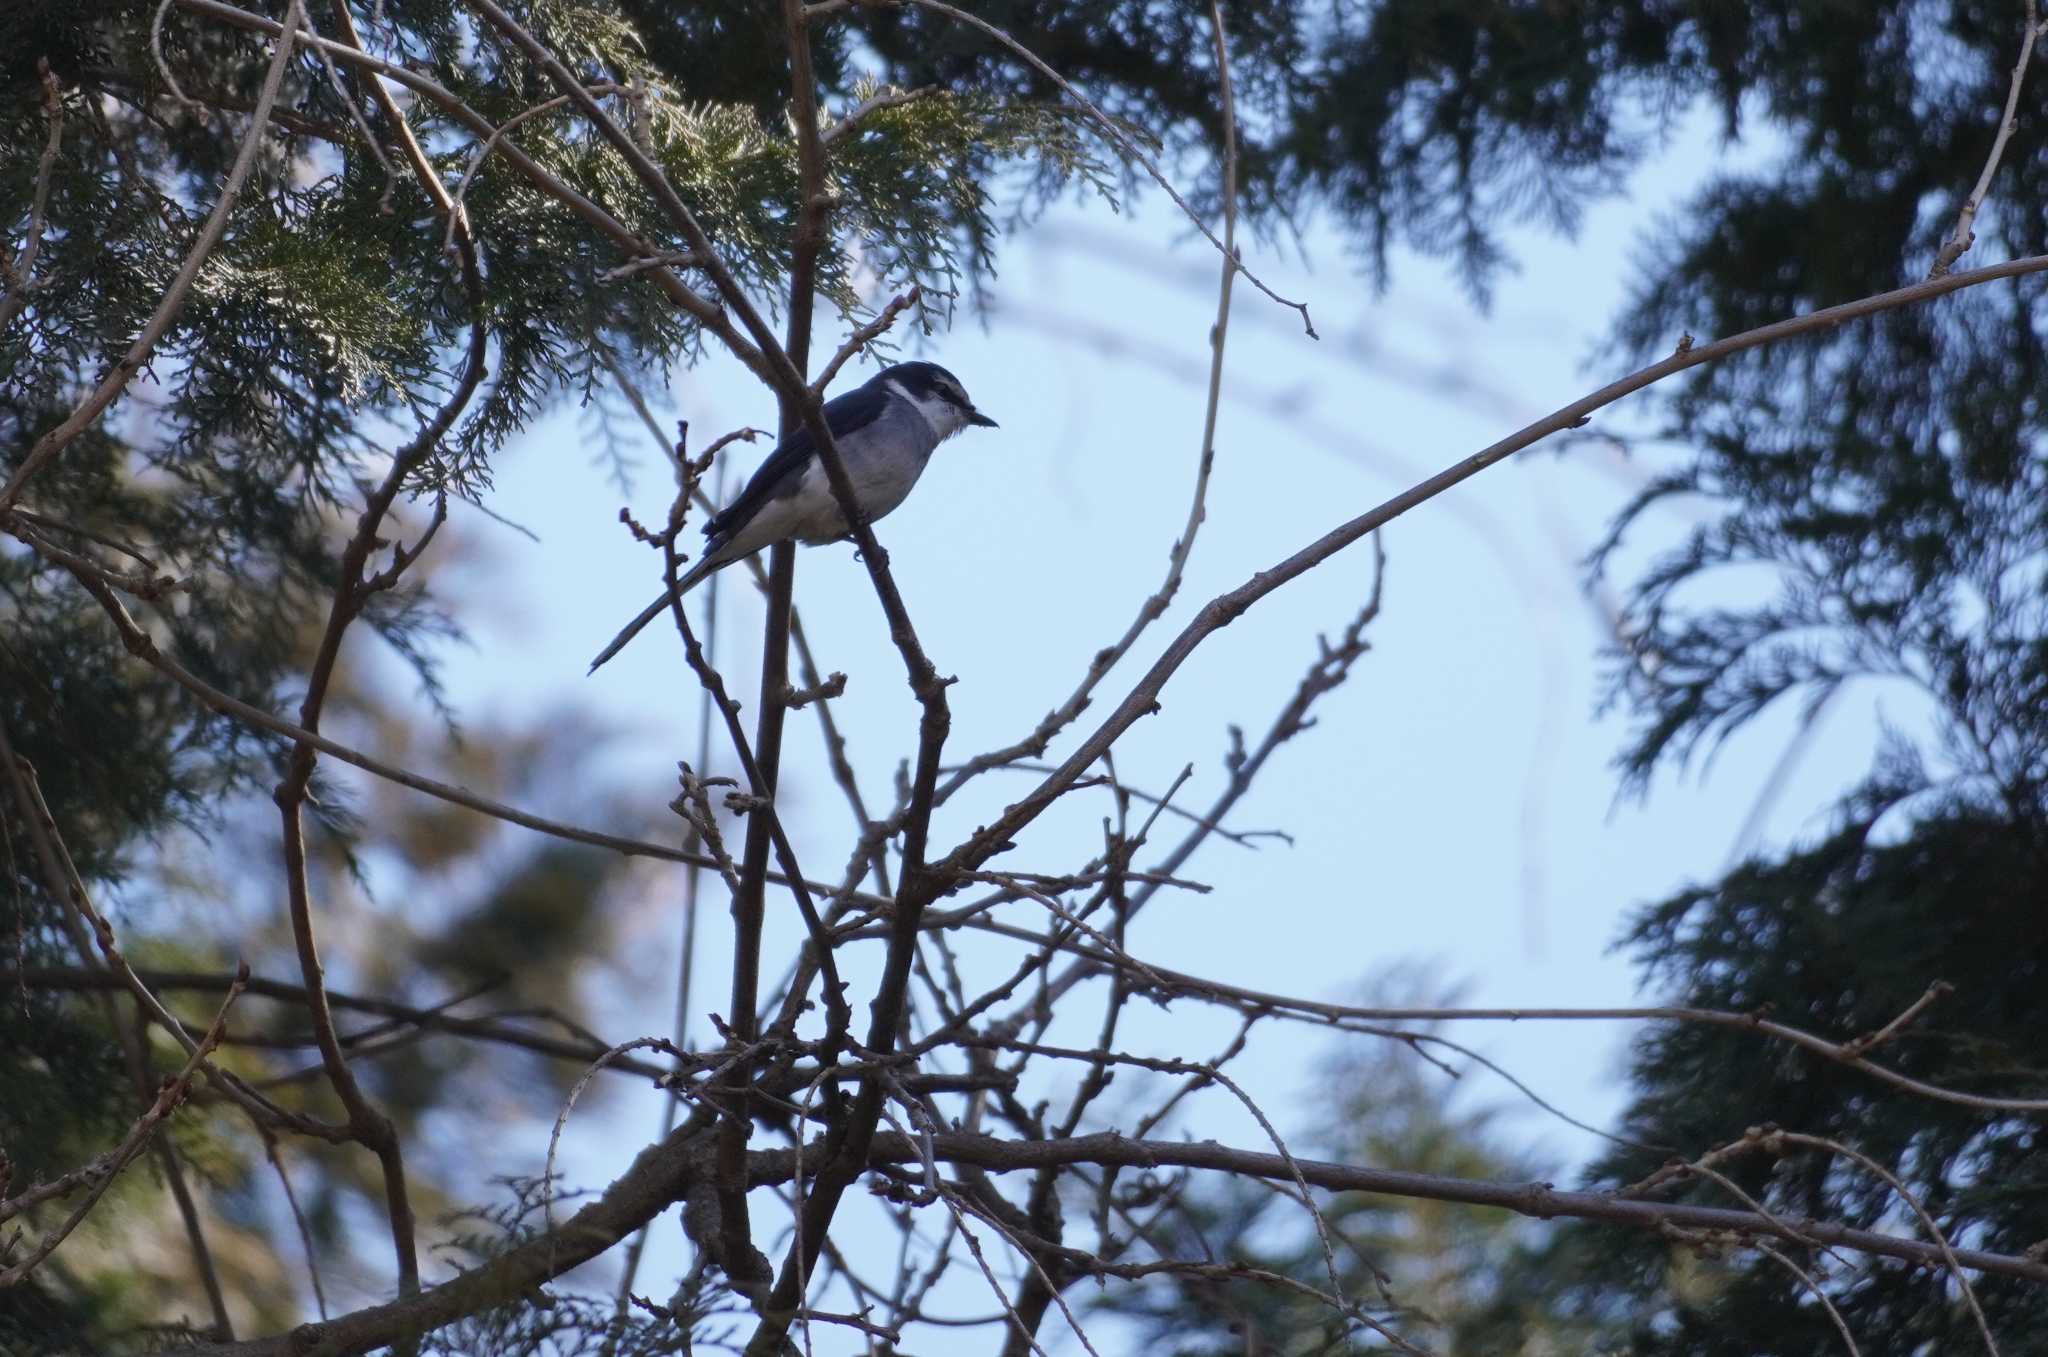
{"x":977,"y":417}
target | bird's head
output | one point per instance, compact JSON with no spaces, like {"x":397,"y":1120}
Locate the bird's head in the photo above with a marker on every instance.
{"x":937,"y":394}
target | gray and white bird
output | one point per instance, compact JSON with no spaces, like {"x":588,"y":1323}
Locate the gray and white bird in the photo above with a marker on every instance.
{"x":886,"y":430}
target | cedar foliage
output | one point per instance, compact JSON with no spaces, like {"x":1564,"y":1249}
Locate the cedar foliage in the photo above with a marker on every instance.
{"x":1890,"y":475}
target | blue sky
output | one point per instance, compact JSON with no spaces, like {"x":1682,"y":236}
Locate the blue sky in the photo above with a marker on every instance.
{"x":1455,"y":805}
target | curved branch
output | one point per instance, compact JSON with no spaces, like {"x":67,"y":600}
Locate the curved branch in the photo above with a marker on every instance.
{"x":139,"y":643}
{"x":1226,"y":608}
{"x":1853,"y":1053}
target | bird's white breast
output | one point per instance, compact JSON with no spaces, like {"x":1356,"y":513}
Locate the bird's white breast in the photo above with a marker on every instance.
{"x":883,"y":460}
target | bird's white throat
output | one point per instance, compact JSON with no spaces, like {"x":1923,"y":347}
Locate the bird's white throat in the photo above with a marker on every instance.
{"x":942,"y":415}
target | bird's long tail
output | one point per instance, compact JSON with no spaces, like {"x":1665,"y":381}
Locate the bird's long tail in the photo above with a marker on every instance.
{"x":690,"y":580}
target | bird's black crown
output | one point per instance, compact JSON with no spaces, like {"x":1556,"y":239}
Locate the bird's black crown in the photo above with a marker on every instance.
{"x":926,"y":380}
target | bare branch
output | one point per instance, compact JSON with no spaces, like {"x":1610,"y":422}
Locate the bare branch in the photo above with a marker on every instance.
{"x":864,"y":336}
{"x":1813,"y":1288}
{"x":291,"y":1197}
{"x":1847,"y":1053}
{"x":139,"y":643}
{"x":763,"y":811}
{"x":1964,"y":236}
{"x":353,"y":590}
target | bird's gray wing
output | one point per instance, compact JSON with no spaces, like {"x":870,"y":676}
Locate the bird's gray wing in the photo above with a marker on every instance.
{"x":783,"y":470}
{"x":779,"y":475}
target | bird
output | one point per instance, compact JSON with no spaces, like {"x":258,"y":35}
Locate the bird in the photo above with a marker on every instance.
{"x":886,"y":429}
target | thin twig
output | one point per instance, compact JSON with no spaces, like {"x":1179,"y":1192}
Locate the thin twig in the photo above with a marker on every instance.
{"x":1155,"y":604}
{"x":94,"y":937}
{"x":1325,"y":674}
{"x":355,"y":114}
{"x":99,"y":1175}
{"x":864,"y":336}
{"x":692,"y":876}
{"x":355,"y":586}
{"x":496,"y":1029}
{"x":1123,"y":141}
{"x":1775,"y":1138}
{"x":1290,"y":1005}
{"x":1813,"y":1288}
{"x":21,"y":274}
{"x":867,"y":108}
{"x":762,"y":783}
{"x":291,"y":1197}
{"x":547,"y":1174}
{"x":1964,"y":234}
{"x":459,"y":215}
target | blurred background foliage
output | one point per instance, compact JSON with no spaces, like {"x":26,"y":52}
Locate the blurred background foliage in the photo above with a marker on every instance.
{"x":1888,"y":478}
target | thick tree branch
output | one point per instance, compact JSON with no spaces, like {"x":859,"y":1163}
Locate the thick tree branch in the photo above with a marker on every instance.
{"x":661,"y":1175}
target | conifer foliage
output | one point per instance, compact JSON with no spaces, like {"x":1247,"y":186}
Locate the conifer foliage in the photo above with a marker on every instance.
{"x":278,"y":281}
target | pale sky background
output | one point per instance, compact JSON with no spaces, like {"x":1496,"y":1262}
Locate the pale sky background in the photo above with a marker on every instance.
{"x":1455,"y":806}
